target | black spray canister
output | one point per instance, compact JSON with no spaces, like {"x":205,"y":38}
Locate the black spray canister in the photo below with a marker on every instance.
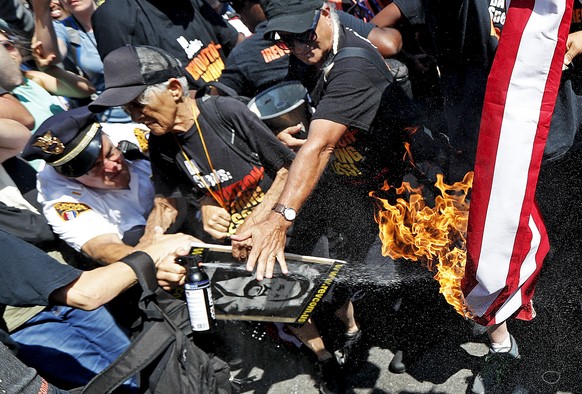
{"x":198,"y":293}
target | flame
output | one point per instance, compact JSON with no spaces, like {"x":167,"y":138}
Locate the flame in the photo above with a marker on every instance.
{"x":434,"y":237}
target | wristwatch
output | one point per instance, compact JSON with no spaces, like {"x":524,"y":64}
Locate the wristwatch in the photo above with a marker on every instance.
{"x":288,"y":213}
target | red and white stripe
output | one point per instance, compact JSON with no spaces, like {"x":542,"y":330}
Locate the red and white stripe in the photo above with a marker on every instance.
{"x":507,"y":240}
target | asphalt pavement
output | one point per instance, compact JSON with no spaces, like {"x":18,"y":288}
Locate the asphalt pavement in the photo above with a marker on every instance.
{"x":442,"y":351}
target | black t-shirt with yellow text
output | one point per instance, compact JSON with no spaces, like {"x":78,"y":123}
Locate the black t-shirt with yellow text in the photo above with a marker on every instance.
{"x":357,"y":94}
{"x":238,"y":182}
{"x":190,"y":30}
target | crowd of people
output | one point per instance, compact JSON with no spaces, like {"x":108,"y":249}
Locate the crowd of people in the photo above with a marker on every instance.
{"x":124,"y":130}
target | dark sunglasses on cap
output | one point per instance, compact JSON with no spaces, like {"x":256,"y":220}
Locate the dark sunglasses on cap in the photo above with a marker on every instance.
{"x":287,"y":40}
{"x":8,"y":44}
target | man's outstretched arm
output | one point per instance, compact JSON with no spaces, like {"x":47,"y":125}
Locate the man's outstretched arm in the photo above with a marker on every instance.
{"x":268,"y":237}
{"x":99,"y":286}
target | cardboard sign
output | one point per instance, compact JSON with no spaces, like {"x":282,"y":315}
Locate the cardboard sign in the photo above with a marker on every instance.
{"x":290,"y":298}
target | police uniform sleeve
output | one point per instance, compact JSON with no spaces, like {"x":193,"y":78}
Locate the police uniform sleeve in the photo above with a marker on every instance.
{"x":73,"y":219}
{"x":28,"y":275}
{"x":76,"y":223}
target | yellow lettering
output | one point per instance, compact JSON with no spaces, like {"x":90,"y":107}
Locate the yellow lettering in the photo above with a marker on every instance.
{"x":199,"y":63}
{"x":347,"y":155}
{"x":342,"y":155}
{"x":348,"y":169}
{"x":355,"y":155}
{"x":194,"y":69}
{"x":215,"y":70}
{"x":204,"y":57}
{"x":214,"y":50}
{"x":258,"y":195}
{"x":236,"y":218}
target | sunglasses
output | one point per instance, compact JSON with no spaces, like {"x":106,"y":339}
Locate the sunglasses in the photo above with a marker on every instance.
{"x":287,"y":41}
{"x":8,"y":44}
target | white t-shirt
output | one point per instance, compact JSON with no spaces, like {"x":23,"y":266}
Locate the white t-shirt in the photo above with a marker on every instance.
{"x":78,"y":213}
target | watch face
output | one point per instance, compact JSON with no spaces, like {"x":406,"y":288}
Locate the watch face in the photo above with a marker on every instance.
{"x":289,"y":214}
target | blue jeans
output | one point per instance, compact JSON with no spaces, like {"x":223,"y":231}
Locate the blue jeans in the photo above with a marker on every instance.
{"x":69,"y":346}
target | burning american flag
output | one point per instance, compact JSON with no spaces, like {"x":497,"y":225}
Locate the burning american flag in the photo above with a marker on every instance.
{"x":506,"y":239}
{"x":488,"y":269}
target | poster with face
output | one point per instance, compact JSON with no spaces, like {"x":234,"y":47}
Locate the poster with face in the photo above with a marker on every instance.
{"x":291,"y":298}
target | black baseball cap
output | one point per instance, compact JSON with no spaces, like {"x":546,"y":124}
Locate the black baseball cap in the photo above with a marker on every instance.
{"x":129,"y":70}
{"x":69,"y":141}
{"x":290,"y":16}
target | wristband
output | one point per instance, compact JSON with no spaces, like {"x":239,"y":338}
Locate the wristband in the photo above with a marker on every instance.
{"x":144,"y":267}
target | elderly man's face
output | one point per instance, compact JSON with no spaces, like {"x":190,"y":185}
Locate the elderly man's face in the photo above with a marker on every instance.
{"x":159,"y":114}
{"x":110,"y":170}
{"x":314,"y":51}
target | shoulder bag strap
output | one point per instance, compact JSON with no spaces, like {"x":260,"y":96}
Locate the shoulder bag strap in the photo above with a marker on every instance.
{"x":150,"y":343}
{"x":145,"y":349}
{"x":145,"y":270}
{"x":224,"y":131}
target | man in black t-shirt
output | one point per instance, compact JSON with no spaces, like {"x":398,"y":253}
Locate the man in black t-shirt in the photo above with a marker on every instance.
{"x":257,"y":63}
{"x":360,"y":144}
{"x":356,"y":133}
{"x":213,"y":148}
{"x":188,"y":29}
{"x":231,"y":180}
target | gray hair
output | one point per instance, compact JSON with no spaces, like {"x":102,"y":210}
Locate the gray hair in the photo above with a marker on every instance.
{"x":157,"y":88}
{"x":336,"y":25}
